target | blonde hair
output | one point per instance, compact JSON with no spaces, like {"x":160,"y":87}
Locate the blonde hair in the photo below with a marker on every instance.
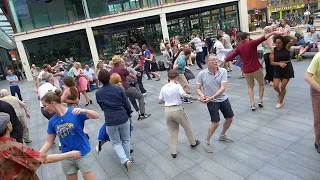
{"x":267,"y":29}
{"x":115,"y":79}
{"x":78,"y":65}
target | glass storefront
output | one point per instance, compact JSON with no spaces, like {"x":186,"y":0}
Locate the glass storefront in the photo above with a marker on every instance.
{"x":48,"y":49}
{"x":204,"y":21}
{"x":5,"y":62}
{"x":114,"y":38}
{"x":34,"y":14}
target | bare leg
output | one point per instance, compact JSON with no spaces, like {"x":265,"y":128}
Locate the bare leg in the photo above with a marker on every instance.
{"x":276,"y":86}
{"x":251,"y":95}
{"x":72,"y":176}
{"x":261,"y":92}
{"x":283,"y":89}
{"x":86,"y":96}
{"x":89,"y":176}
{"x":226,"y":125}
{"x":212,"y":128}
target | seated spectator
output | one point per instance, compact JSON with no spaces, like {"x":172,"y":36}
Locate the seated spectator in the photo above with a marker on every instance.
{"x":312,"y":41}
{"x":91,"y":77}
{"x":299,"y":35}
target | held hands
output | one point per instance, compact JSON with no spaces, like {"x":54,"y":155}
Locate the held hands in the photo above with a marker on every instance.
{"x":206,"y":99}
{"x":282,"y":65}
{"x":77,"y":111}
{"x":74,"y":154}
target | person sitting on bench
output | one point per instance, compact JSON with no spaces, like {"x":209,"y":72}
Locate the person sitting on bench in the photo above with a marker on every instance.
{"x":312,"y":41}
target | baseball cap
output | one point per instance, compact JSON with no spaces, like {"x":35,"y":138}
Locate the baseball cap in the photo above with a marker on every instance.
{"x":4,"y":120}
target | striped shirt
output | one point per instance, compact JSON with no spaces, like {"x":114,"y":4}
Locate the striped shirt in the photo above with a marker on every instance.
{"x":211,"y":83}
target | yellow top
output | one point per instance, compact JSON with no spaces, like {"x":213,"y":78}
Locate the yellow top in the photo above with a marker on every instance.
{"x":314,"y":68}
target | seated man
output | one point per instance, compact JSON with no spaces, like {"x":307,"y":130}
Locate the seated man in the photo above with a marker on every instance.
{"x":312,"y":41}
{"x":91,"y":76}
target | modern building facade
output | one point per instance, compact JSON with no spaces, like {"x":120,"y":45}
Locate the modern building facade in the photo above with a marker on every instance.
{"x":89,"y":30}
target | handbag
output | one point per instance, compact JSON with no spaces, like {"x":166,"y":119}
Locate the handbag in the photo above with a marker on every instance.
{"x":189,"y":75}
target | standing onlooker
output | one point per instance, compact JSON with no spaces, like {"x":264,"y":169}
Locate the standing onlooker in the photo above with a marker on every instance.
{"x":251,"y":64}
{"x":117,"y":110}
{"x":198,"y":47}
{"x":170,"y":96}
{"x":211,"y":86}
{"x":267,"y":47}
{"x":313,"y":78}
{"x":22,"y":160}
{"x":91,"y":76}
{"x":13,"y":82}
{"x":68,"y":125}
{"x":82,"y":82}
{"x":18,"y":107}
{"x":227,"y":45}
{"x":168,"y":56}
{"x":306,"y":16}
{"x":34,"y":72}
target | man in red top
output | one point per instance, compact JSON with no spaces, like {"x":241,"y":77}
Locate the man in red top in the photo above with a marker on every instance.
{"x":247,"y":50}
{"x":18,"y":161}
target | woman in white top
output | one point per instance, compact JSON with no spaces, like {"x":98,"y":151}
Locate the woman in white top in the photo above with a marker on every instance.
{"x":285,"y":27}
{"x":170,"y":96}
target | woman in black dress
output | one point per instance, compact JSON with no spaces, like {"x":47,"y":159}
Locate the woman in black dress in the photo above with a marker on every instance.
{"x":280,"y":57}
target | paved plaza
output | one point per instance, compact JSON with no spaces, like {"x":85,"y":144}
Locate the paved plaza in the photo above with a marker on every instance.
{"x":269,"y":143}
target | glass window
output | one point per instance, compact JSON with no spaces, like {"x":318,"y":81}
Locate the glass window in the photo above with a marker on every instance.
{"x":39,"y":14}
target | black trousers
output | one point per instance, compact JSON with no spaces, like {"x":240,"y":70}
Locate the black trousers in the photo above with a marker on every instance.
{"x":147,"y":66}
{"x":199,"y":59}
{"x":140,"y":84}
{"x":269,"y":68}
{"x":14,"y":90}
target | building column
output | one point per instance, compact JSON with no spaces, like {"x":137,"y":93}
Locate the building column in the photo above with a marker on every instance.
{"x":243,"y":15}
{"x":164,"y":26}
{"x":93,"y":47}
{"x":14,"y":16}
{"x":24,"y":60}
{"x":280,"y":14}
{"x":85,"y":8}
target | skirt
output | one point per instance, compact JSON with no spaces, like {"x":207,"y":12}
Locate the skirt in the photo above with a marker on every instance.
{"x":284,"y":73}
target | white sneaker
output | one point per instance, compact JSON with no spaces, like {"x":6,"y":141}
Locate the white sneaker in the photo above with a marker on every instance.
{"x":225,"y":138}
{"x":97,"y":149}
{"x":207,"y":147}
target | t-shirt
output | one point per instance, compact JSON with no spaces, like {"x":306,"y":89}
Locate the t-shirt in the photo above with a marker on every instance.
{"x":131,"y":81}
{"x":314,"y":68}
{"x":89,"y":73}
{"x":69,"y":128}
{"x":12,"y":77}
{"x":313,"y":38}
{"x":171,"y":94}
{"x":227,"y":41}
{"x":211,"y":83}
{"x":123,"y":74}
{"x":147,"y":54}
{"x":181,"y":64}
{"x":44,"y":89}
{"x":197,"y":43}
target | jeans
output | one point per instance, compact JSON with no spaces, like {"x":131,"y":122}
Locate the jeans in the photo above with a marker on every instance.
{"x":147,"y":65}
{"x":139,"y":82}
{"x":14,"y":90}
{"x":133,"y":94}
{"x":120,"y":139}
{"x":199,"y":59}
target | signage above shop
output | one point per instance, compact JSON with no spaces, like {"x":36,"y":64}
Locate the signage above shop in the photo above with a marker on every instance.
{"x":285,"y":8}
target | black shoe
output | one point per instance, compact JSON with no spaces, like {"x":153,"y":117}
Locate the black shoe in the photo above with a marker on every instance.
{"x":90,"y":101}
{"x":174,"y":155}
{"x":197,"y":143}
{"x":317,"y":146}
{"x":128,"y":165}
{"x":87,"y":135}
{"x":260,"y":104}
{"x":131,"y":151}
{"x":149,"y":79}
{"x":143,"y":116}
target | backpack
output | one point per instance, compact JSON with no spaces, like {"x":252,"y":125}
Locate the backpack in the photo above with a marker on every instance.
{"x":161,"y":65}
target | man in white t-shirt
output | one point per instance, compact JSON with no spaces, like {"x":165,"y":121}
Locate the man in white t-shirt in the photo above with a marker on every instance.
{"x":91,"y":76}
{"x":46,"y":87}
{"x":196,"y":41}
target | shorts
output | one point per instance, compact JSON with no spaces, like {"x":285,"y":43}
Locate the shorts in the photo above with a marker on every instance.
{"x":84,"y":164}
{"x":257,"y":75}
{"x":224,"y":107}
{"x":182,"y":80}
{"x":310,"y":45}
{"x":284,"y":73}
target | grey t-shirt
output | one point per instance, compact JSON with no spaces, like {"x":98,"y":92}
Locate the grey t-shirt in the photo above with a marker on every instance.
{"x":211,"y":83}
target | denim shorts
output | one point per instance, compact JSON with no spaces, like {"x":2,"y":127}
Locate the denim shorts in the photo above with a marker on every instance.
{"x":84,"y":164}
{"x":224,"y":107}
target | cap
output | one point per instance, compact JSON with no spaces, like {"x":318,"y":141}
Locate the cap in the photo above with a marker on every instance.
{"x":116,"y":59}
{"x":4,"y":120}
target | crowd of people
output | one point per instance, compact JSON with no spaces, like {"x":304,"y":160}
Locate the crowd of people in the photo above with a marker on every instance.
{"x":119,"y":85}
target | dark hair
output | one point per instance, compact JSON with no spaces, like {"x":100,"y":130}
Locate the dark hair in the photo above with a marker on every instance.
{"x":187,"y":52}
{"x":2,"y":133}
{"x":194,"y":34}
{"x":104,"y":76}
{"x":219,"y":36}
{"x":284,"y":39}
{"x":52,"y":97}
{"x":130,"y":51}
{"x":45,"y":66}
{"x":243,"y":35}
{"x":165,"y":44}
{"x":172,"y":74}
{"x":69,"y":81}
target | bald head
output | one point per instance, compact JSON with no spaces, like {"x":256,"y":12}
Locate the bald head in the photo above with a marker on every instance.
{"x":4,"y":92}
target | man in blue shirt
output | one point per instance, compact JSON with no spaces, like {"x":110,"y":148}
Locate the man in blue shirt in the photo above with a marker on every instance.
{"x":13,"y":82}
{"x":117,"y":110}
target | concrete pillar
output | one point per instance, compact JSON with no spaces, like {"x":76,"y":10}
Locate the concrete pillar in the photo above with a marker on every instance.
{"x":86,"y":9}
{"x":24,"y":60}
{"x":14,"y":16}
{"x":164,"y":26}
{"x":93,"y":47}
{"x":243,"y":15}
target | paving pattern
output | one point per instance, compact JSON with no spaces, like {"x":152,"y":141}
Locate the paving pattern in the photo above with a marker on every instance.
{"x":269,"y":143}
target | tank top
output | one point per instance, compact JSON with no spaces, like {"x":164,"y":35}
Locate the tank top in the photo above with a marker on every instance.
{"x":281,"y":55}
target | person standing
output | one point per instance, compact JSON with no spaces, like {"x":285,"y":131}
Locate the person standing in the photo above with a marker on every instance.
{"x":221,"y":52}
{"x":280,"y":57}
{"x":117,"y":110}
{"x":313,"y":78}
{"x":68,"y":125}
{"x":247,"y":50}
{"x":34,"y":72}
{"x":227,"y":45}
{"x":267,"y":47}
{"x":168,"y":56}
{"x":150,"y":63}
{"x":211,"y":86}
{"x":196,"y":41}
{"x":136,"y":65}
{"x":82,"y":83}
{"x":170,"y":96}
{"x":18,"y":107}
{"x":13,"y":83}
{"x":22,"y":160}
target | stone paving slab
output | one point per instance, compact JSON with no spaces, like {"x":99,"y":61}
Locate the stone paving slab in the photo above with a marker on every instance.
{"x":269,"y":143}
